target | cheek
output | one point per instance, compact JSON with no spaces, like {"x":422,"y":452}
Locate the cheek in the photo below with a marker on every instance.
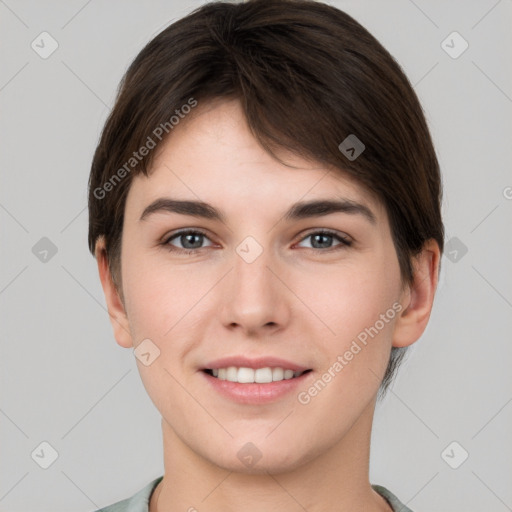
{"x":349,"y":300}
{"x":153,"y":295}
{"x":164,"y":299}
{"x":359,"y":307}
{"x":160,"y":304}
{"x":359,"y":310}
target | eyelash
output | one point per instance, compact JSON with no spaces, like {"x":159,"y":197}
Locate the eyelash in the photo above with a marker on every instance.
{"x":344,"y":242}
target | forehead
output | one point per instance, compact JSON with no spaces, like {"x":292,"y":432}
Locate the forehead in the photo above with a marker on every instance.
{"x":213,"y":156}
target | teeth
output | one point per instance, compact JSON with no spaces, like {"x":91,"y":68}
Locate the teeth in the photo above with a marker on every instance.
{"x":249,"y":375}
{"x":231,"y":373}
{"x":263,"y":375}
{"x":245,"y":375}
{"x":277,"y":374}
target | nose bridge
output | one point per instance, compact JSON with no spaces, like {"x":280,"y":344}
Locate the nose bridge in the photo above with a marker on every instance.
{"x":255,"y":298}
{"x":251,"y":275}
{"x":251,"y":278}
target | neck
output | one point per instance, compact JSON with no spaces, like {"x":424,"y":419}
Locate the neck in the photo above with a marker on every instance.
{"x":336,"y":479}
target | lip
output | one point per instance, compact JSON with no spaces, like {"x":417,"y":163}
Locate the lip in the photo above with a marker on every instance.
{"x":255,"y":393}
{"x":258,"y":362}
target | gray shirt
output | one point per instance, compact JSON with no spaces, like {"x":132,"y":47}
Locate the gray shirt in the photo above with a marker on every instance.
{"x":140,"y":501}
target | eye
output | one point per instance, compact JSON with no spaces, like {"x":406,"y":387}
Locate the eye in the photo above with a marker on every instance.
{"x":323,"y":239}
{"x":190,"y":241}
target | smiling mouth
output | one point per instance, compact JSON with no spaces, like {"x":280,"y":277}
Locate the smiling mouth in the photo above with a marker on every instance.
{"x":244,"y":375}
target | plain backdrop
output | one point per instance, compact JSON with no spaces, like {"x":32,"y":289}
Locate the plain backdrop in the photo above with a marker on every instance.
{"x":64,"y":380}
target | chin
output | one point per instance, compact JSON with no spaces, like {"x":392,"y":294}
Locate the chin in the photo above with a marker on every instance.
{"x":250,"y":460}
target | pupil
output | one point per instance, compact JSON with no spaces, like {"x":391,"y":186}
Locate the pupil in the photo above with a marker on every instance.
{"x":320,"y":236}
{"x":189,"y":238}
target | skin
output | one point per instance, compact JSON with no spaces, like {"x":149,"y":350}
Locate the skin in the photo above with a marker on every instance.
{"x":295,"y":301}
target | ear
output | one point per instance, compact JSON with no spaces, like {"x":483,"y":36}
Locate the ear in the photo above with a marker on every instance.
{"x":418,"y":297}
{"x":115,"y":306}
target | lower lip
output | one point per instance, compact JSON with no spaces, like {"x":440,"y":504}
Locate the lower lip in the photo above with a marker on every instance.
{"x":255,"y":393}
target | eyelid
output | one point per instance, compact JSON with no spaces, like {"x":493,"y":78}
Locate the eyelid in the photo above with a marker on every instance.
{"x":327,"y":231}
{"x":185,"y":231}
{"x":344,"y":239}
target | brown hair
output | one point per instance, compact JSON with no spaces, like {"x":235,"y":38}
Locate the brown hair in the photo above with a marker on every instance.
{"x":307,"y":76}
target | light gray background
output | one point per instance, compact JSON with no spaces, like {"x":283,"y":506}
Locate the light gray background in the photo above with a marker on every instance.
{"x":64,"y":380}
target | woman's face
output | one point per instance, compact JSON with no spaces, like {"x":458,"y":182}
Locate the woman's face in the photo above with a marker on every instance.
{"x":264,"y":283}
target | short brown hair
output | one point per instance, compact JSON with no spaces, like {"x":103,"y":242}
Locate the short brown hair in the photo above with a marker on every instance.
{"x":307,"y":75}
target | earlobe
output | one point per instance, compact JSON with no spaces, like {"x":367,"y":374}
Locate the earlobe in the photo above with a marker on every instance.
{"x":419,"y":297}
{"x":115,"y":306}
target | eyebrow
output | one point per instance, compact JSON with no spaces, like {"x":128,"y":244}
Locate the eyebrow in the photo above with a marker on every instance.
{"x":300,"y":210}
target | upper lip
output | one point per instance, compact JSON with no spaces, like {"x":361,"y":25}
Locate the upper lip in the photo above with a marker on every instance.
{"x":257,"y":362}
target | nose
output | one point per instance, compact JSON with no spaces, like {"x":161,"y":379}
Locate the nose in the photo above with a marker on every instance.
{"x":254,"y":299}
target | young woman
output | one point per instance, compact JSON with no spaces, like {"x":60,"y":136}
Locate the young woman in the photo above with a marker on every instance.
{"x":265,"y":213}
